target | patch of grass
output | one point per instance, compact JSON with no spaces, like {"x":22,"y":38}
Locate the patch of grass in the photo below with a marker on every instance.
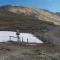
{"x":13,"y":58}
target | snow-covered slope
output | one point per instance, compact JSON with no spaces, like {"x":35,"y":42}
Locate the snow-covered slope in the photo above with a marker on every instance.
{"x":4,"y":36}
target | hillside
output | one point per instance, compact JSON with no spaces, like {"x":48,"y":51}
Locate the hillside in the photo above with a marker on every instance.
{"x":42,"y":23}
{"x":22,"y":11}
{"x":26,"y":16}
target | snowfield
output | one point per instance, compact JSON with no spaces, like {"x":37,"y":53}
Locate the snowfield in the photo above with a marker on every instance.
{"x":4,"y":36}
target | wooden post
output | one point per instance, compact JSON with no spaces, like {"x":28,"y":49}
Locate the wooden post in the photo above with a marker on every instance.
{"x":22,"y":39}
{"x":10,"y":38}
{"x":18,"y":38}
{"x":27,"y":42}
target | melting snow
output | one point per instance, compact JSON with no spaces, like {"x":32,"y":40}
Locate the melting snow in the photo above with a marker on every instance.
{"x":4,"y":36}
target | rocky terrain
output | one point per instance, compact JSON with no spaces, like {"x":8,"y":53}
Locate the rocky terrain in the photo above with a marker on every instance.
{"x":42,"y":23}
{"x":9,"y":51}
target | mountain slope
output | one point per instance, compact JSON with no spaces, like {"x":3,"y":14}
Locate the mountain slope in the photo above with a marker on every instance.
{"x":39,"y":13}
{"x":22,"y":16}
{"x":42,"y":23}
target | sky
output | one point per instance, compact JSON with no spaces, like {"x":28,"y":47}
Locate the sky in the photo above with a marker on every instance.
{"x":52,"y":5}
